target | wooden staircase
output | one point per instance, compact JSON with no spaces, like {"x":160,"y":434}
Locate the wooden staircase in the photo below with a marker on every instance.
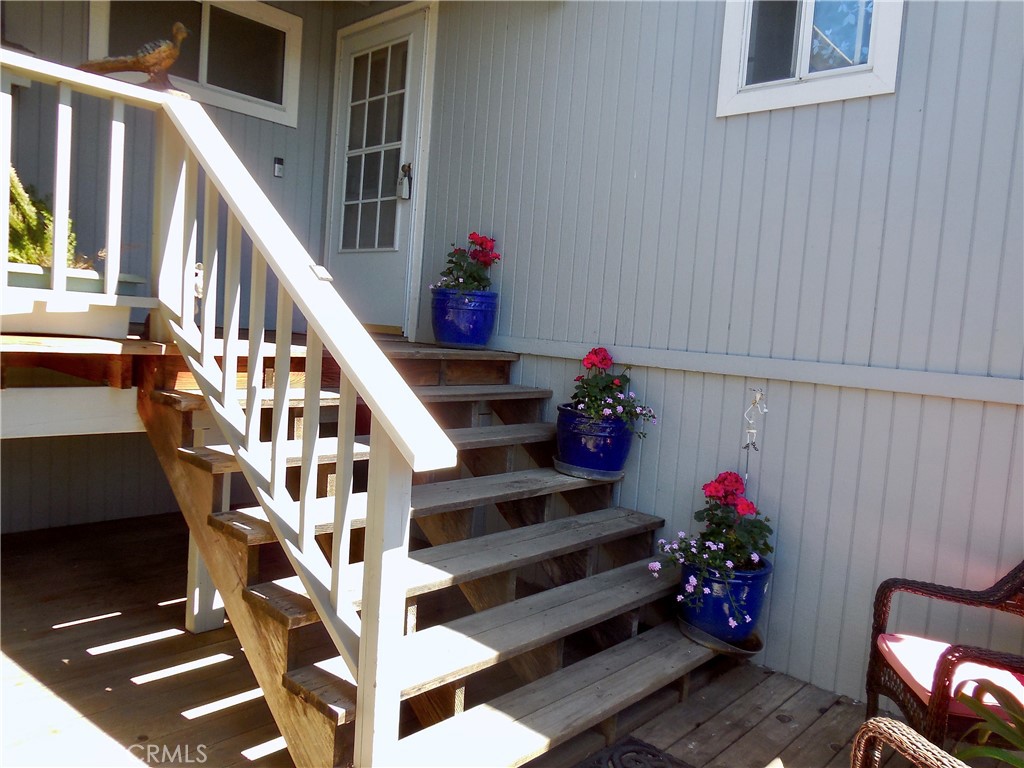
{"x":530,"y":614}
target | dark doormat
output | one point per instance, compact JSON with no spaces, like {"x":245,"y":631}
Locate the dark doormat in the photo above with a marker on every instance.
{"x":632,"y":753}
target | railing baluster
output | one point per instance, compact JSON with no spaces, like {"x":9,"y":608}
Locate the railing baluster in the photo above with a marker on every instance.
{"x":168,"y":224}
{"x":211,"y":263}
{"x":279,"y":416}
{"x":62,"y":189}
{"x":341,"y":544}
{"x":383,"y":607}
{"x":6,"y":124}
{"x":232,"y":296}
{"x":115,"y":197}
{"x":310,"y":433}
{"x":191,"y":235}
{"x":257,"y":324}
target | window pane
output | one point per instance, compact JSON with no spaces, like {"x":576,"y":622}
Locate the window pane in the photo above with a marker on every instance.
{"x":134,"y":23}
{"x":378,"y":72}
{"x":841,"y":34}
{"x":371,"y":176}
{"x":368,"y":225}
{"x":773,"y":30}
{"x":246,"y":56}
{"x":375,"y":123}
{"x":389,"y":174}
{"x":350,"y":226}
{"x":353,"y":177}
{"x":386,"y":225}
{"x":393,"y":129}
{"x":355,"y":126}
{"x":360,"y":70}
{"x":399,"y":60}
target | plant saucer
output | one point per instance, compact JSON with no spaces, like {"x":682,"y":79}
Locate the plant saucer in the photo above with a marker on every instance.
{"x":750,"y":646}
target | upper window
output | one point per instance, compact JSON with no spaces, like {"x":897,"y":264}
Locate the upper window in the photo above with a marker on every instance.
{"x":785,"y":53}
{"x":243,"y":56}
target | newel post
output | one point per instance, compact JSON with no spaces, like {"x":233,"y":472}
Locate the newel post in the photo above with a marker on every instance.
{"x":169,"y":217}
{"x":383,"y":606}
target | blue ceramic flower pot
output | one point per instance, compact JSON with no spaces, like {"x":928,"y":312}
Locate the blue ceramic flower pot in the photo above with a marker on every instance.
{"x":591,"y":448}
{"x":463,"y":318}
{"x":748,"y":590}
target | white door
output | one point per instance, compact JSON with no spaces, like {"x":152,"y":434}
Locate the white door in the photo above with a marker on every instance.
{"x":370,"y":235}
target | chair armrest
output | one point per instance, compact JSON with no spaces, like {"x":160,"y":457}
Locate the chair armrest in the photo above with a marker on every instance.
{"x":889,"y":587}
{"x":942,"y":683}
{"x":867,"y":746}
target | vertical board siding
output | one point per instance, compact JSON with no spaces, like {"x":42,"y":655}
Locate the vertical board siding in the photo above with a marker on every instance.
{"x":49,"y":482}
{"x":874,"y":232}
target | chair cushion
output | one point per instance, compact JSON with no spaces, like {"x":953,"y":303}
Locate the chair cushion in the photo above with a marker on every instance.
{"x":915,"y":658}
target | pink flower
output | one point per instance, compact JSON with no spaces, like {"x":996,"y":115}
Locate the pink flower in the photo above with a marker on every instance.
{"x":745,"y":507}
{"x":714,"y":490}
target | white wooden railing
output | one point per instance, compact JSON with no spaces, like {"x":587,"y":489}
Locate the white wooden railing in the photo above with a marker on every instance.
{"x":197,"y":175}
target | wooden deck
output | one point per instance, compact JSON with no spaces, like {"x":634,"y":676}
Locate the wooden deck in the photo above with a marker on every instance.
{"x":73,"y":697}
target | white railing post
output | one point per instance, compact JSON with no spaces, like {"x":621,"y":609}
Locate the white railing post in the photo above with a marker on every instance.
{"x":115,"y":197}
{"x":62,"y":189}
{"x":6,"y":126}
{"x":386,"y":550}
{"x":170,"y":180}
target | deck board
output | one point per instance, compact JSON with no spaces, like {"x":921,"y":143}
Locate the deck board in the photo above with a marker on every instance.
{"x":63,"y":706}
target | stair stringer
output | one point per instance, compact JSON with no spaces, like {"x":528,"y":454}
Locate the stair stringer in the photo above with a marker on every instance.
{"x":313,"y":739}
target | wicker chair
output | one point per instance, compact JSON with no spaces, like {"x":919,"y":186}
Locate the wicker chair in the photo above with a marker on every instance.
{"x":879,"y":732}
{"x":929,"y":712}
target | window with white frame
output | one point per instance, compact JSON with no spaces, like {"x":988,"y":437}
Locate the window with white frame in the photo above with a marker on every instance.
{"x":243,"y":56}
{"x":786,"y":53}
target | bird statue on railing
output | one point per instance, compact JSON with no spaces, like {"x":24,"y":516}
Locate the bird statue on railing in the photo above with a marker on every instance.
{"x":153,"y":58}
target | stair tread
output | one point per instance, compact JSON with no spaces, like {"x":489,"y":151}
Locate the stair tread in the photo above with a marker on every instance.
{"x":446,"y":393}
{"x":219,"y":459}
{"x":331,"y":696}
{"x":450,"y":564}
{"x":453,"y":650}
{"x":524,"y":723}
{"x":407,"y":350}
{"x":250,"y":524}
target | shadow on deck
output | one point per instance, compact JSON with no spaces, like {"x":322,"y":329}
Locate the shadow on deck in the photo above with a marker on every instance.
{"x":98,"y":670}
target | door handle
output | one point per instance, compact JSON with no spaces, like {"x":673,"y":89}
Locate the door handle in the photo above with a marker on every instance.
{"x":405,"y":182}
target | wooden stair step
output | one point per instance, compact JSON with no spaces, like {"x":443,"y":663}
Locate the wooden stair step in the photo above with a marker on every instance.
{"x":449,"y":564}
{"x":459,"y":393}
{"x":250,"y":524}
{"x":219,"y":459}
{"x":451,"y":651}
{"x":325,"y":691}
{"x":528,"y":721}
{"x":407,"y":350}
{"x":189,"y":401}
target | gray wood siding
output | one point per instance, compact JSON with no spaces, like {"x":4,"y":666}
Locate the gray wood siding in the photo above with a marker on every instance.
{"x":49,"y":482}
{"x":862,"y":261}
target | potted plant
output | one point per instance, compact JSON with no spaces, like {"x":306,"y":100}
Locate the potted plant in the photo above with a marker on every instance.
{"x":724,"y":572}
{"x":463,"y":307}
{"x":594,"y":431}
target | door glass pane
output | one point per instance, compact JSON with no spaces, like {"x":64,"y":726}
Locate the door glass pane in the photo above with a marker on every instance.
{"x":353,"y":177}
{"x":245,"y":56}
{"x":355,"y":126}
{"x":375,"y":122}
{"x":378,"y":72}
{"x":350,"y":226}
{"x":368,"y":225}
{"x":371,"y":176}
{"x":841,"y":34}
{"x":393,"y":129}
{"x":772,"y":44}
{"x":386,"y":225}
{"x":399,"y":59}
{"x":360,"y":72}
{"x":389,"y":174}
